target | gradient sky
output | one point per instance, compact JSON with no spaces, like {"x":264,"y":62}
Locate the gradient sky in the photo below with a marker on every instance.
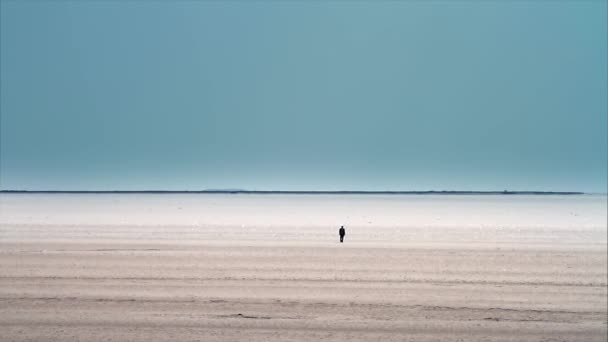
{"x":481,"y":95}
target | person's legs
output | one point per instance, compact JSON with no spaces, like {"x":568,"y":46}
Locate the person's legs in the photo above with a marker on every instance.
{"x":341,"y":238}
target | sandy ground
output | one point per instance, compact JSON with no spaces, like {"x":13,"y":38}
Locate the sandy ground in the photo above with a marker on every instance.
{"x":85,"y":268}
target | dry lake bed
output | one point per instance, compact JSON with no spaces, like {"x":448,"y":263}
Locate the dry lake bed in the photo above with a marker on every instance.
{"x":221,"y":267}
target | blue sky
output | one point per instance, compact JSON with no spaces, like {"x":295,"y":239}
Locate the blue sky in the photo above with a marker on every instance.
{"x":322,"y":95}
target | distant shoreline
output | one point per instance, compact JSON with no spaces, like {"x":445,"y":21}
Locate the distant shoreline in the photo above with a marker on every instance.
{"x":261,"y":192}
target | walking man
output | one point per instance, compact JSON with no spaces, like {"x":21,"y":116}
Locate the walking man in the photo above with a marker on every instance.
{"x":342,"y":232}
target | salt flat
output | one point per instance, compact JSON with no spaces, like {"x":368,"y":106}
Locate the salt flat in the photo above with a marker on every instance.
{"x":102,"y":267}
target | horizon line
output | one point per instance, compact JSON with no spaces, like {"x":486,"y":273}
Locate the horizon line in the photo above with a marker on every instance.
{"x":312,"y":192}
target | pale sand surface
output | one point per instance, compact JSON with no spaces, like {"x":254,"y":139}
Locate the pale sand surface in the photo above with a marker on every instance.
{"x":269,"y":268}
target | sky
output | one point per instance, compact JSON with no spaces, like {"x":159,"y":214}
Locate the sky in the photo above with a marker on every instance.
{"x":295,"y":95}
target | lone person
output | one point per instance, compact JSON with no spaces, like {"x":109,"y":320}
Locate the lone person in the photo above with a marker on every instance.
{"x":342,"y":232}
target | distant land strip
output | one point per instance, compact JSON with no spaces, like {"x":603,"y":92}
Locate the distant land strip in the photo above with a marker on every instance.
{"x":262,"y":192}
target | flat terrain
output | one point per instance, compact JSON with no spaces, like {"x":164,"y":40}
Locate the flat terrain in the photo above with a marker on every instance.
{"x":269,"y":268}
